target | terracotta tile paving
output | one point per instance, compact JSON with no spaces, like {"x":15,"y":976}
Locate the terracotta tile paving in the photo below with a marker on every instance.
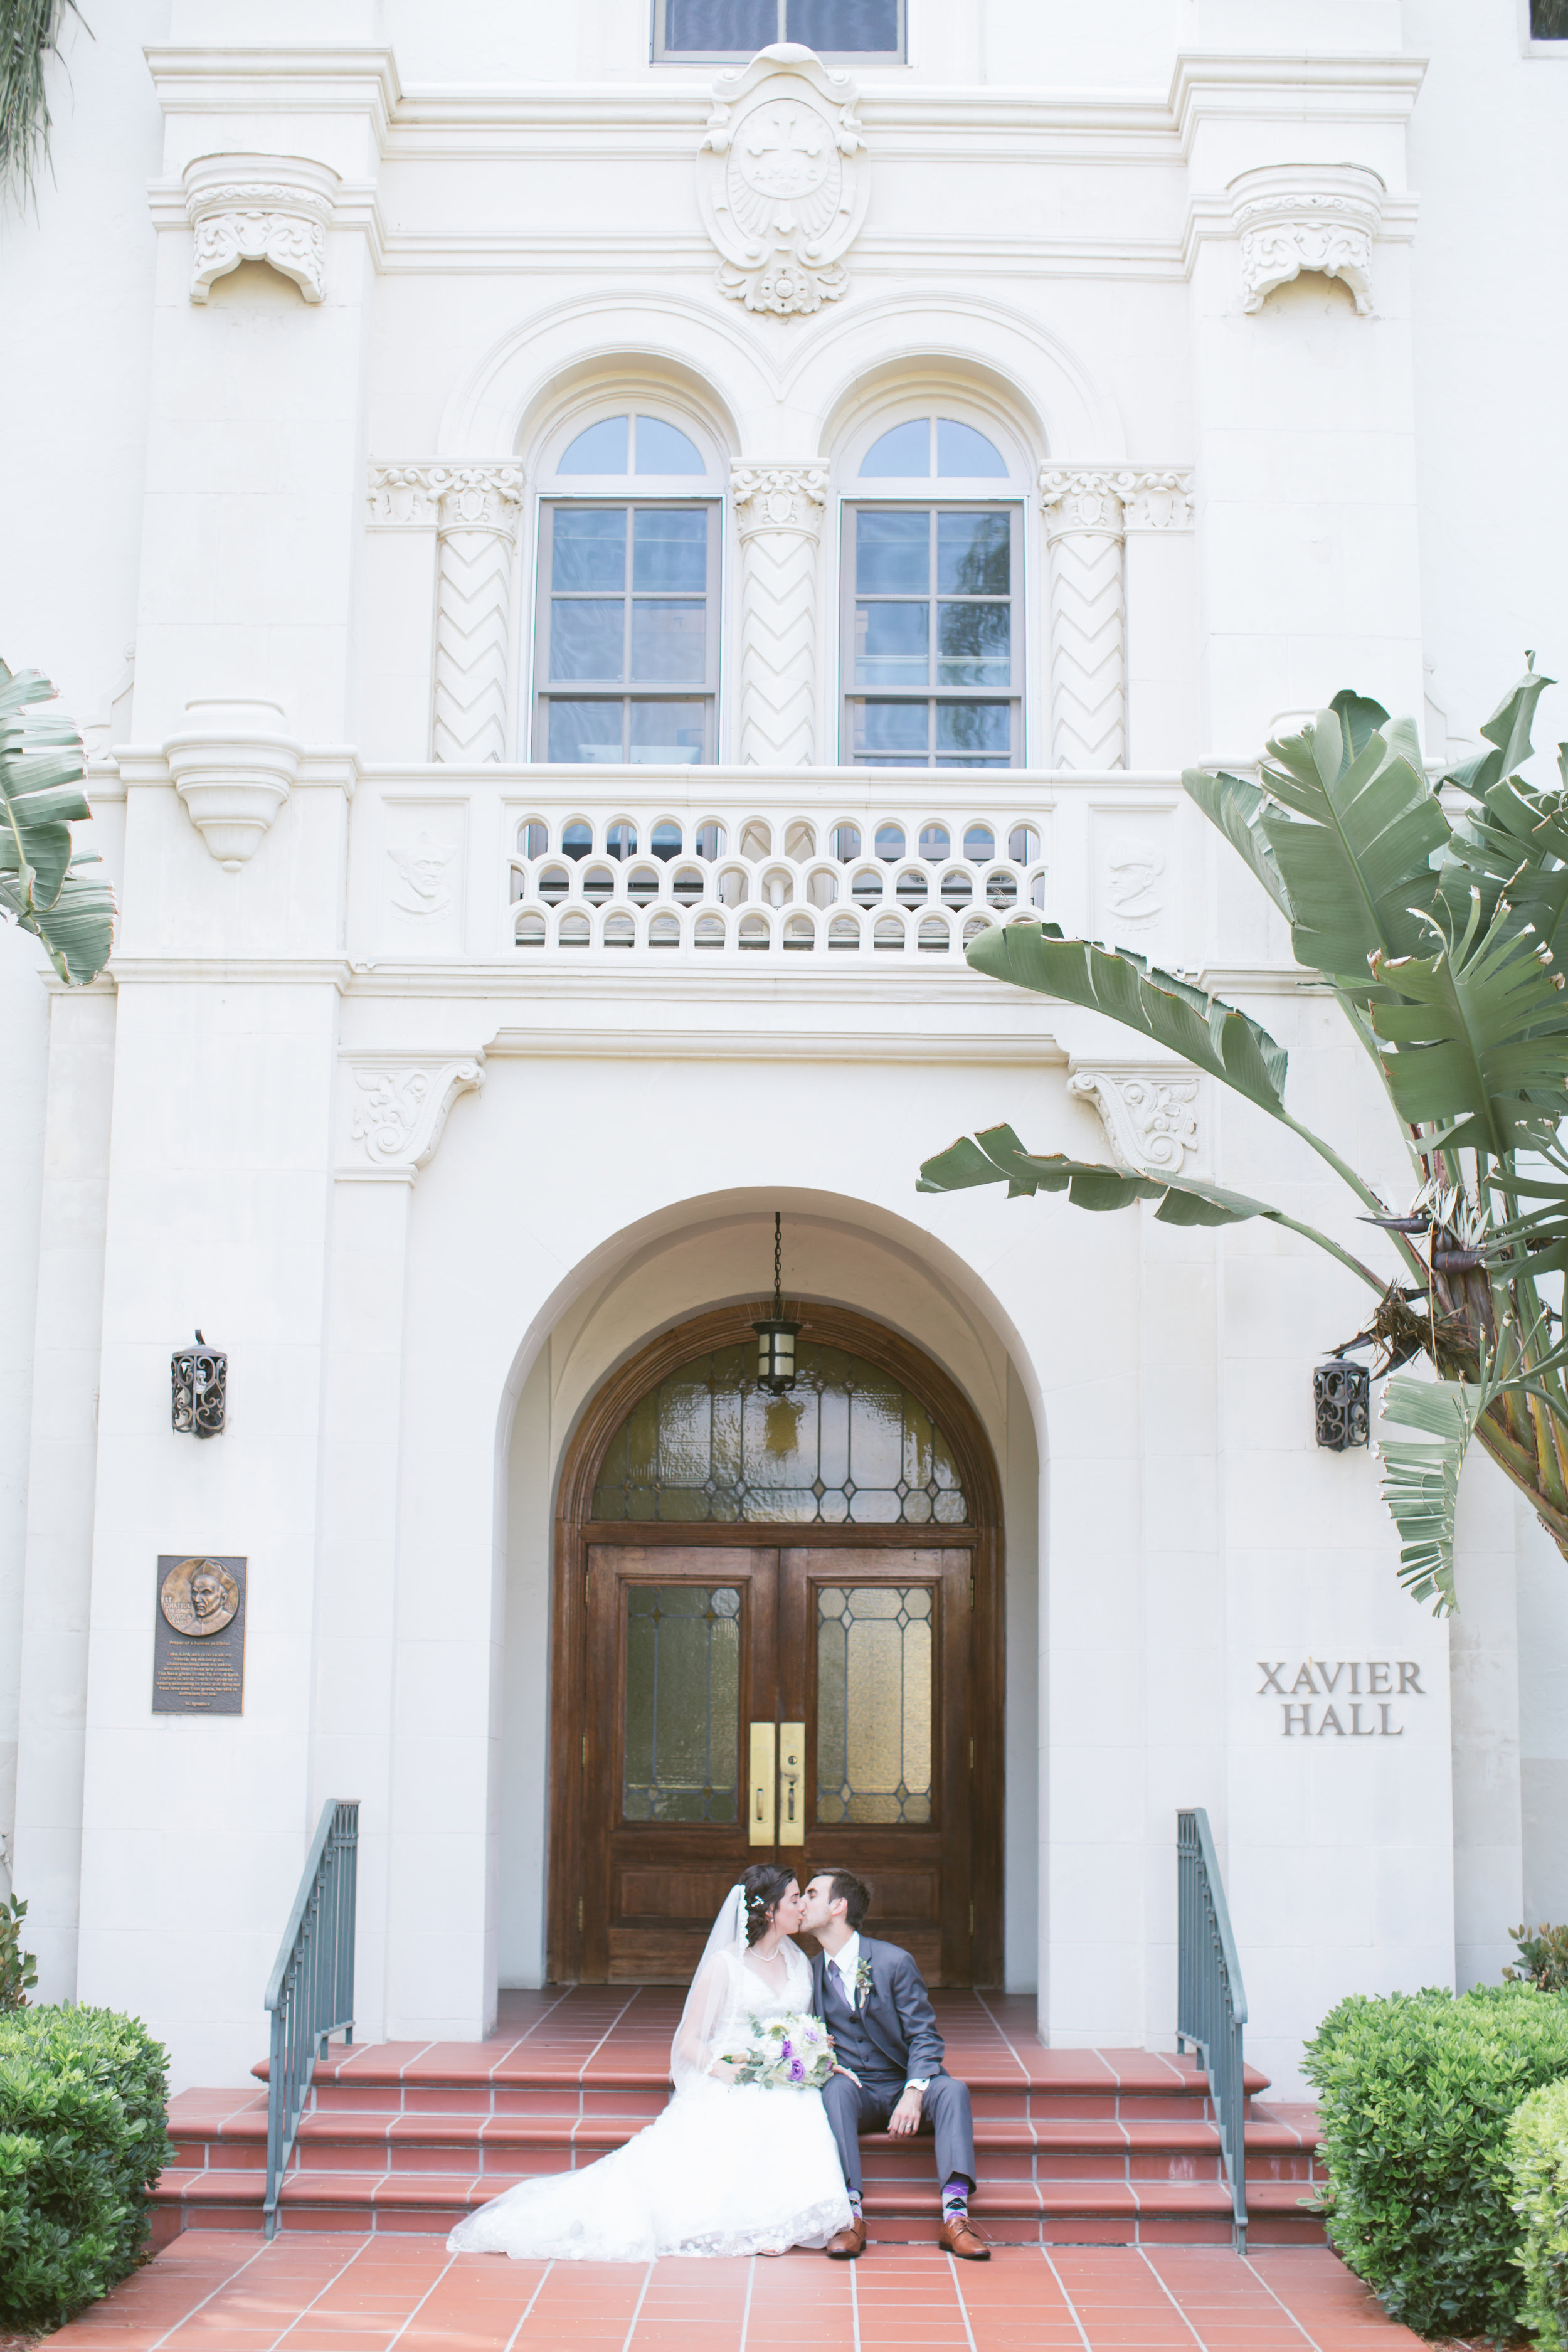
{"x":225,"y":2290}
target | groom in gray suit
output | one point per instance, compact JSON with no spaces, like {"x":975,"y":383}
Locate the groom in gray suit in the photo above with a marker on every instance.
{"x":876,"y":2008}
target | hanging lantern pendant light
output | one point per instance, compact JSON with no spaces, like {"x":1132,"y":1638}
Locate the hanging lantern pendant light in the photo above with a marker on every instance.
{"x":775,"y":1336}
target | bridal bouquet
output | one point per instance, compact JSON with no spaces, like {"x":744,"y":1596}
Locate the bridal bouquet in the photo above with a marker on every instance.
{"x":784,"y":2054}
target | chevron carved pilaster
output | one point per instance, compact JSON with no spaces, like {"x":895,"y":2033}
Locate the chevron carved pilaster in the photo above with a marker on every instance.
{"x":478,"y":530}
{"x":1085,"y":524}
{"x":779,"y":510}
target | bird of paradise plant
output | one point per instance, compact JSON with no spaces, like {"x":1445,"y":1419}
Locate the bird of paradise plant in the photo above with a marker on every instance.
{"x":1441,"y":926}
{"x":46,"y":887}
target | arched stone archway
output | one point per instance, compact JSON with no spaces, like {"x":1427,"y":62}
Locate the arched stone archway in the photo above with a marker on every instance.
{"x":779,"y":1606}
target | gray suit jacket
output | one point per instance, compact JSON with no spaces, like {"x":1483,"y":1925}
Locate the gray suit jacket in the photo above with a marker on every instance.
{"x":896,"y":2013}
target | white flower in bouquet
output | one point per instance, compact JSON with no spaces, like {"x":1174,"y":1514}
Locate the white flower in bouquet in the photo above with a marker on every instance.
{"x":784,"y":2054}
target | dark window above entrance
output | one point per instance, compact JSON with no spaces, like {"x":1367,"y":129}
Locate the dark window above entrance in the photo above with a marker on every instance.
{"x":738,"y":28}
{"x":848,"y":1443}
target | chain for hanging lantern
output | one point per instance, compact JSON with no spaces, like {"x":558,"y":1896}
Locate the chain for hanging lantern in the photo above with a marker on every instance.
{"x":775,"y":1334}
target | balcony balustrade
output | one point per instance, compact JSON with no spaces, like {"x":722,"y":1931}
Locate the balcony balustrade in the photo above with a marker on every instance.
{"x":876,"y":881}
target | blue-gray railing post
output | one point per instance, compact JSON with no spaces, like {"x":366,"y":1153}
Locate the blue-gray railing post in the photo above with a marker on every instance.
{"x":311,"y":1993}
{"x":1211,"y":2005}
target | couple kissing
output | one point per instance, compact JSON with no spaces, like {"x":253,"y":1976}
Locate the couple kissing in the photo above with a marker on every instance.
{"x":779,"y":2062}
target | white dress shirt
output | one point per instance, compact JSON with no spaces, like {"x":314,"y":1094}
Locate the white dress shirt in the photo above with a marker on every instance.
{"x":845,"y":1962}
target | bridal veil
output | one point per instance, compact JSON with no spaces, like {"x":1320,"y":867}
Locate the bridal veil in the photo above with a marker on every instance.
{"x":694,"y":2046}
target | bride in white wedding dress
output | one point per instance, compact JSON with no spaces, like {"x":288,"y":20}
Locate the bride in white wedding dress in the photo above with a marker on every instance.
{"x":729,"y":2167}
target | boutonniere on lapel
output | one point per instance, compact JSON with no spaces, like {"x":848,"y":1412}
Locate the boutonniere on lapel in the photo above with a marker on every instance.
{"x":862,"y":1984}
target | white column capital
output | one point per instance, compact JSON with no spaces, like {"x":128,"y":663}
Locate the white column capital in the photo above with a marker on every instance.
{"x":437,"y":494}
{"x":271,"y":208}
{"x":394,"y":1108}
{"x":783,"y":497}
{"x":1081,"y":499}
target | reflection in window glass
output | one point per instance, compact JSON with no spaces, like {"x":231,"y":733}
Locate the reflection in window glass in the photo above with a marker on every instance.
{"x":631,"y":603}
{"x":683,"y":1703}
{"x":874,"y":1672}
{"x":931,"y":611}
{"x":848,"y":1443}
{"x":667,"y":734}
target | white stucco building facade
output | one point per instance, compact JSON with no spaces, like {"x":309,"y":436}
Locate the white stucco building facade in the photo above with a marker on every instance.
{"x":516,"y":912}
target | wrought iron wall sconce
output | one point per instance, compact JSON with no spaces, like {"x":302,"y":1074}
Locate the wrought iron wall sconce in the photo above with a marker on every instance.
{"x":199,"y":1376}
{"x":1342,"y":1403}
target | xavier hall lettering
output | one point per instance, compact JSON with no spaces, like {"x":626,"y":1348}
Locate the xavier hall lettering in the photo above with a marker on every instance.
{"x":1341,"y":1683}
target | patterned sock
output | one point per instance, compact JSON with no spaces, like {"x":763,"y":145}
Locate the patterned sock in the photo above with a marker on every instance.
{"x":955,"y":2197}
{"x":854,"y":2196}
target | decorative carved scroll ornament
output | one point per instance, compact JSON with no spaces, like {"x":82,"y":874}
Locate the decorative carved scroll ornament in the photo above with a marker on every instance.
{"x":780,"y":182}
{"x":1292,"y":217}
{"x":271,"y":208}
{"x":397,"y":1109}
{"x":1149,"y":1115}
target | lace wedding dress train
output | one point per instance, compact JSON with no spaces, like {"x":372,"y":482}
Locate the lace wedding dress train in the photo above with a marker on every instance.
{"x":728,"y":2169}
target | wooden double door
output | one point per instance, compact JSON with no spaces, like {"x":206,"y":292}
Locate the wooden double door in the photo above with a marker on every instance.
{"x":752,"y":1702}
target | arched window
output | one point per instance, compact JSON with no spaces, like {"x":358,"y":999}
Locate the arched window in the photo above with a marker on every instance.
{"x":848,"y":1443}
{"x":626,"y":640}
{"x":933,"y":634}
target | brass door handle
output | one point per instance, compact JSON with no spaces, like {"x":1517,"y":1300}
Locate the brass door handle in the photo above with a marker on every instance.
{"x":760,"y":1802}
{"x":792,"y":1784}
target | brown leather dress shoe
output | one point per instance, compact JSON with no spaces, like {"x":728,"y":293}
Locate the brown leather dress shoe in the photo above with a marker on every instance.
{"x":956,"y":2237}
{"x":848,"y":2244}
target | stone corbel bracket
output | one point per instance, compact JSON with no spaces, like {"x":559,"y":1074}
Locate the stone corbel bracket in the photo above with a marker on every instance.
{"x":394,"y":1110}
{"x":234,"y":765}
{"x":780,"y":181}
{"x":1148,"y":1109}
{"x":1292,"y":217}
{"x":271,"y":208}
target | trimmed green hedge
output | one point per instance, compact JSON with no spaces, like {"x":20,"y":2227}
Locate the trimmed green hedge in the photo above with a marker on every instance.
{"x":1415,"y":2092}
{"x":82,"y":2139}
{"x":1537,"y":2161}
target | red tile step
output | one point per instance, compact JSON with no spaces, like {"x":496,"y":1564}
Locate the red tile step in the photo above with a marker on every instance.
{"x":1071,"y":2146}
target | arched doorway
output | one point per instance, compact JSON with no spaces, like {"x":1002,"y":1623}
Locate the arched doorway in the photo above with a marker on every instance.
{"x":777,"y":1632}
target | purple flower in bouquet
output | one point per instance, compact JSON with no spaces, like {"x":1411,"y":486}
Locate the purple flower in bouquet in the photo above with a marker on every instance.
{"x":797,"y":2071}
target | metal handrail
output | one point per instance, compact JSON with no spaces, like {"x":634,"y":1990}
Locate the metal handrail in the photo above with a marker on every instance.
{"x":1211,"y":2003}
{"x":311,"y":1992}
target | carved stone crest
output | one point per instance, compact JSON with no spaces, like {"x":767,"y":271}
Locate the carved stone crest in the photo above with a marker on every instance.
{"x":780,"y":182}
{"x":199,"y":1597}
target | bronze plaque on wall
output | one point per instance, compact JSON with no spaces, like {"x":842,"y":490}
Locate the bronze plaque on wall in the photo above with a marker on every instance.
{"x":198,"y":1635}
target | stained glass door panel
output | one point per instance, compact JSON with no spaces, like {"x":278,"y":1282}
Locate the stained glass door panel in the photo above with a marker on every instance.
{"x":682,"y":1643}
{"x":874,"y":1656}
{"x":703,"y":1654}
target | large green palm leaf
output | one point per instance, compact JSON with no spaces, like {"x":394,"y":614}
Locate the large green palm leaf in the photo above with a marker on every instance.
{"x":1353,"y":831}
{"x":44,"y":885}
{"x":1212,"y":1036}
{"x":1479,"y":1033}
{"x":995,"y":1156}
{"x":1439,"y":931}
